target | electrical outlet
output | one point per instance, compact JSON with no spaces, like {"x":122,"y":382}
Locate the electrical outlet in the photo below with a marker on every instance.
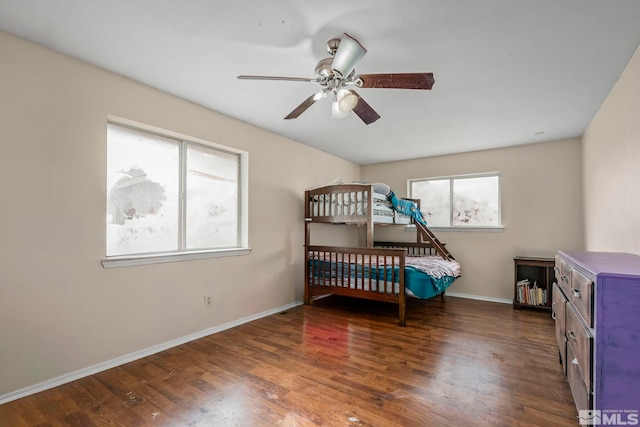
{"x":208,"y":300}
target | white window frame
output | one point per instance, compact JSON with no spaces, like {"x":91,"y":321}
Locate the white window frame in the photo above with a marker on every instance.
{"x":489,"y":228}
{"x":187,"y":254}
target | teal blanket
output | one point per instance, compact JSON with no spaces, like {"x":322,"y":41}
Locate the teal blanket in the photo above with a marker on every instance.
{"x":417,"y":282}
{"x":406,"y":207}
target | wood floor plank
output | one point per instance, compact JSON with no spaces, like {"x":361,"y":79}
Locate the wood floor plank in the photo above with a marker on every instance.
{"x":339,"y":362}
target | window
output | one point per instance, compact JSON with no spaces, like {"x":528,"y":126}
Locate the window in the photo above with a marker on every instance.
{"x":459,"y":201}
{"x":171,"y":195}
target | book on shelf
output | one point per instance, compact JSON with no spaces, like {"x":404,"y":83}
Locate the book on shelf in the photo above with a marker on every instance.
{"x":529,"y":293}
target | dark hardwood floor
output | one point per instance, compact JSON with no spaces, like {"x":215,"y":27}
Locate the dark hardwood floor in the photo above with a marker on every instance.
{"x":342,"y":362}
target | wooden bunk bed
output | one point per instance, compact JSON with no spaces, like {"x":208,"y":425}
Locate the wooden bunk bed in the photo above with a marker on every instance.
{"x":383,"y":271}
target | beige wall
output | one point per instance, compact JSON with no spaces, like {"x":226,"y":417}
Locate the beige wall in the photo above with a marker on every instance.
{"x":537,"y":180}
{"x":611,"y":175}
{"x":60,"y":311}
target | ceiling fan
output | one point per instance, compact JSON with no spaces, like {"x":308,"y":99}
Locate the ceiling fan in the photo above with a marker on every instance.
{"x":337,"y":73}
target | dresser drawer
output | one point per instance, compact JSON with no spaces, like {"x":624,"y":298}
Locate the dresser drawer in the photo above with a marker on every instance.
{"x":563,"y":274}
{"x":558,"y":310}
{"x":580,"y":342}
{"x":581,"y":395}
{"x":581,"y":295}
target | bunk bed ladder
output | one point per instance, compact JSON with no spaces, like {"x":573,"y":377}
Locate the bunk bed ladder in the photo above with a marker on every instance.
{"x":428,"y":236}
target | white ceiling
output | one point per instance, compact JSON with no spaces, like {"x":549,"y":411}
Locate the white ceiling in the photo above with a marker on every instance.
{"x":507,"y":72}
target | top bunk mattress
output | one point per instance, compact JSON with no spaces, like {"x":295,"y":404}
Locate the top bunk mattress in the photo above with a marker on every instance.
{"x":349,"y":203}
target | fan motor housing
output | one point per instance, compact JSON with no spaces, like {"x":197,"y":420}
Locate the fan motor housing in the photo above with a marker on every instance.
{"x":323,"y":69}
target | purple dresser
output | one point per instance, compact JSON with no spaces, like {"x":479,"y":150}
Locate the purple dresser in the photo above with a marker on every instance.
{"x":596,"y":305}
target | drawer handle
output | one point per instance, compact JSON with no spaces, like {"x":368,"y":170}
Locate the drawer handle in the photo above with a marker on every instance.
{"x":576,"y":293}
{"x":564,"y":279}
{"x":553,"y":311}
{"x":572,"y":336}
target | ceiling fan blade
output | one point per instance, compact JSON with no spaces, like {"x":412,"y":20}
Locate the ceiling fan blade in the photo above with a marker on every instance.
{"x":349,"y":53}
{"x":364,"y":110}
{"x":303,"y":107}
{"x":396,"y":81}
{"x":290,"y":79}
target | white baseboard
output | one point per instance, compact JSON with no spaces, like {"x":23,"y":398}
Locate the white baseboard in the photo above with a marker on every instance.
{"x":91,"y":370}
{"x":478,"y":297}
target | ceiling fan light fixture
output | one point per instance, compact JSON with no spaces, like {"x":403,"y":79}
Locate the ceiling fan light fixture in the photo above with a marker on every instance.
{"x":336,"y":112}
{"x":348,"y":54}
{"x":318,"y":95}
{"x":346,"y":99}
{"x":338,"y":73}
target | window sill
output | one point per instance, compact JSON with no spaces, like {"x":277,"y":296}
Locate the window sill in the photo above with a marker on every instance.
{"x":481,"y":229}
{"x":130,"y":260}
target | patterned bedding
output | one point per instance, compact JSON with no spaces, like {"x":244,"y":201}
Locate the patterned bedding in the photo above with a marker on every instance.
{"x":425,"y":276}
{"x":348,"y":203}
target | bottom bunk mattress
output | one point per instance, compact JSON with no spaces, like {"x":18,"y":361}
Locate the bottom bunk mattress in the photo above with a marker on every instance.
{"x":424,"y":276}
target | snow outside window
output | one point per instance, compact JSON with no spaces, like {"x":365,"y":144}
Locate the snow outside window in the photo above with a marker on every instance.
{"x":168,"y":195}
{"x":459,"y":201}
